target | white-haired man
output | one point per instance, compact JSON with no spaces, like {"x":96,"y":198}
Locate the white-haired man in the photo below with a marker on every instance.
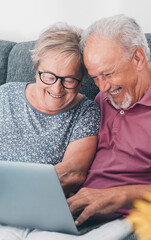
{"x":117,"y":58}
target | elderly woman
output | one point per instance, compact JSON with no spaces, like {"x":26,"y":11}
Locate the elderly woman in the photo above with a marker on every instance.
{"x":50,"y":121}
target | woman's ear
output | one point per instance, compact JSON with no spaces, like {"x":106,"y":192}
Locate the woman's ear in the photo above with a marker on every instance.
{"x":36,"y":74}
{"x":139,"y":58}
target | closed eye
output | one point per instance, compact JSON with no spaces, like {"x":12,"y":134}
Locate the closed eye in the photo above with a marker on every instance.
{"x":69,"y":80}
{"x":106,"y":75}
{"x":103,"y":75}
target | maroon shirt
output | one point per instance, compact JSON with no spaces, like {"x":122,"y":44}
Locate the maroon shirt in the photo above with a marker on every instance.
{"x":123,"y":155}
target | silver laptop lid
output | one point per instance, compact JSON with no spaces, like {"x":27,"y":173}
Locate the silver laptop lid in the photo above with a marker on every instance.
{"x":31,"y":196}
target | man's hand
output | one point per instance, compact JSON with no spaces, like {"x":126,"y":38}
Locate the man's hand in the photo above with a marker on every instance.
{"x":104,"y":201}
{"x":91,"y":201}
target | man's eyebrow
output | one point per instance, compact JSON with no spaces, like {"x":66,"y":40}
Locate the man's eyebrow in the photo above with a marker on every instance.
{"x":91,"y":76}
{"x":103,"y":72}
{"x":94,"y":76}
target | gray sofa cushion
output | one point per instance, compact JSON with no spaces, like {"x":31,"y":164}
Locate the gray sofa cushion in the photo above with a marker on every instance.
{"x":20,"y":66}
{"x":5,"y":48}
{"x":89,"y":88}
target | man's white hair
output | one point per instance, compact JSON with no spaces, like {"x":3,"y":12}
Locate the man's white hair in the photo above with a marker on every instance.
{"x":125,"y":30}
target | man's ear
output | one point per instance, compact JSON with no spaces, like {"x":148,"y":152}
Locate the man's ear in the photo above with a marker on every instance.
{"x":139,"y":58}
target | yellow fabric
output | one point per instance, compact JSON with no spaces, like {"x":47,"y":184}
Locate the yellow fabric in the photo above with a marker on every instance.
{"x":140,"y":217}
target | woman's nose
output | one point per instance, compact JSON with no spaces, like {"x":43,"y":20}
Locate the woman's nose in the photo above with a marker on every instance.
{"x":57,"y":86}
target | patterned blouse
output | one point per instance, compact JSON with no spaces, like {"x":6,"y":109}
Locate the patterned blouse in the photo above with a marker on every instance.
{"x":28,"y":135}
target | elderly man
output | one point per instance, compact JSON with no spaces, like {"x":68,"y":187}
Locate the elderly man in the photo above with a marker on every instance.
{"x":117,"y":58}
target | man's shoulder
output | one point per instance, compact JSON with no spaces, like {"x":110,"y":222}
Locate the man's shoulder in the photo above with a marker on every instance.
{"x":99,"y":98}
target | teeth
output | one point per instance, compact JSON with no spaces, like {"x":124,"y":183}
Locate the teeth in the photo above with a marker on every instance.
{"x":115,"y":92}
{"x":55,"y":96}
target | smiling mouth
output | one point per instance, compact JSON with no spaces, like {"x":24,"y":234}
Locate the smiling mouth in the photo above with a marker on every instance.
{"x":55,"y":96}
{"x":115,"y":91}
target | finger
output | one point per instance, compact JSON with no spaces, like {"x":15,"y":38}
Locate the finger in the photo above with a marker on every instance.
{"x":71,"y":199}
{"x":70,"y":195}
{"x":87,"y":212}
{"x":76,"y":199}
{"x":76,"y":206}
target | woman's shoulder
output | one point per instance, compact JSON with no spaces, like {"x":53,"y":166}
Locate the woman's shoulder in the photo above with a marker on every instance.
{"x":13,"y":85}
{"x":89,"y":103}
{"x":87,"y":109}
{"x":12,"y":90}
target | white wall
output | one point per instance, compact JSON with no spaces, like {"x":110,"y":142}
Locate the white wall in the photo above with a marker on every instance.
{"x":24,"y":20}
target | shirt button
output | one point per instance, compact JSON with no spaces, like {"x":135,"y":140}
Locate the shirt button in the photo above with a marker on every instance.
{"x":122,"y":112}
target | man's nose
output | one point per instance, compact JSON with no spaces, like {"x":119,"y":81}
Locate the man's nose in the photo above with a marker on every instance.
{"x":103,"y":86}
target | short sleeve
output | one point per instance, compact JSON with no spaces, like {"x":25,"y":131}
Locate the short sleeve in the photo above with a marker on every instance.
{"x":88,"y":121}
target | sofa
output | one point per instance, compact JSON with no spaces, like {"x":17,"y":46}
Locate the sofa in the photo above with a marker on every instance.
{"x":16,"y":66}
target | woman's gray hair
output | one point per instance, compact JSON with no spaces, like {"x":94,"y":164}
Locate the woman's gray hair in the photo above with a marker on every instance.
{"x":125,"y":30}
{"x":60,"y":37}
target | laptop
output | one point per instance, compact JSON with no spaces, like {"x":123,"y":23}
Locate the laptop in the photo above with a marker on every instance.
{"x":31,"y":196}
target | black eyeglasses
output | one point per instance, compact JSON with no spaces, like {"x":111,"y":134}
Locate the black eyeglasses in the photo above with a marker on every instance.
{"x":50,"y":78}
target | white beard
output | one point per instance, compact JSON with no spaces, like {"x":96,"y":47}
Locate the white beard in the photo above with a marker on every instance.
{"x":125,"y":104}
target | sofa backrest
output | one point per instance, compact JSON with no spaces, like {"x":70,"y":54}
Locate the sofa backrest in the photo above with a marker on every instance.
{"x":20,"y":66}
{"x":16,"y":65}
{"x":5,"y":48}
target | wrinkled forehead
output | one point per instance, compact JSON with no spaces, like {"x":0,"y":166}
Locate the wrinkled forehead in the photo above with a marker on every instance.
{"x":102,"y":52}
{"x":98,"y":44}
